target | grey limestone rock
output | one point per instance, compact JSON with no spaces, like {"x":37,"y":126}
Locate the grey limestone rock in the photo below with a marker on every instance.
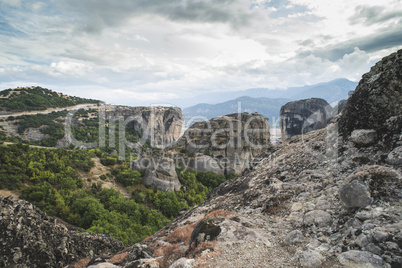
{"x":35,"y":134}
{"x":160,"y":126}
{"x":183,"y":263}
{"x":161,"y":174}
{"x":309,"y":258}
{"x":300,"y":117}
{"x":363,"y":136}
{"x":318,"y":217}
{"x":377,"y":98}
{"x":355,"y":194}
{"x":226,"y":144}
{"x":360,"y":259}
{"x":395,"y":157}
{"x":295,"y":236}
{"x":34,"y":239}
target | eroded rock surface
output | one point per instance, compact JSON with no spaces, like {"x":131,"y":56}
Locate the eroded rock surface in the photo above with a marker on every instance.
{"x":29,"y":238}
{"x":160,"y":126}
{"x":160,"y":173}
{"x":377,"y":98}
{"x":300,"y":117}
{"x":289,"y":210}
{"x":226,"y":144}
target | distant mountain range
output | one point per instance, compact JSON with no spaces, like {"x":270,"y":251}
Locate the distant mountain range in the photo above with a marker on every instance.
{"x":264,"y":101}
{"x":265,"y":106}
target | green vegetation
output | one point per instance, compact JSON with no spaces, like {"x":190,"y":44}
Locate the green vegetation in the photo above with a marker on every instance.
{"x":36,"y":98}
{"x":52,"y":180}
{"x":58,"y":181}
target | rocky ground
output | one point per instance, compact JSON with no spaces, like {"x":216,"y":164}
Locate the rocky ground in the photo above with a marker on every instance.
{"x":292,"y":210}
{"x":328,"y":198}
{"x":30,"y":238}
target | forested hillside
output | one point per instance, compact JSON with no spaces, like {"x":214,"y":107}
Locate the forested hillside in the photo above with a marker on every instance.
{"x":55,"y":180}
{"x":94,"y":189}
{"x":36,"y":98}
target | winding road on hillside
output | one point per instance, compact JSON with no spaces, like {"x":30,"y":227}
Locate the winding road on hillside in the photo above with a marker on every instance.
{"x":48,"y":111}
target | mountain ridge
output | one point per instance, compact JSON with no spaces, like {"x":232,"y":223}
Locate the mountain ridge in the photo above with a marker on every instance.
{"x":294,"y":93}
{"x":333,"y":92}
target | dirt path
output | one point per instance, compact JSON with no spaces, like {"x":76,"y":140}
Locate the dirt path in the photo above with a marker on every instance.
{"x":33,"y":146}
{"x":8,"y":193}
{"x":49,"y":110}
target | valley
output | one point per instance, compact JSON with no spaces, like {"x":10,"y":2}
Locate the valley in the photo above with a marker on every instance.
{"x":321,"y":188}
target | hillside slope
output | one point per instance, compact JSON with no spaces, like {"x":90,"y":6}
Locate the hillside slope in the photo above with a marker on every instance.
{"x":36,"y":98}
{"x":317,"y":200}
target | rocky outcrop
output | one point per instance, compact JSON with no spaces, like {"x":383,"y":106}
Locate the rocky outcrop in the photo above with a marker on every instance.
{"x":30,"y":238}
{"x":160,"y":126}
{"x":35,"y":134}
{"x":300,"y":117}
{"x":317,"y":200}
{"x":377,"y":99}
{"x":295,"y":208}
{"x":226,"y":144}
{"x":159,"y":173}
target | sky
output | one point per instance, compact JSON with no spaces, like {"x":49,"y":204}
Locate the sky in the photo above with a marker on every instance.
{"x":145,"y":52}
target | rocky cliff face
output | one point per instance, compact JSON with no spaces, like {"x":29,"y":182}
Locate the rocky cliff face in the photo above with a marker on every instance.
{"x":226,"y":144}
{"x":300,"y":117}
{"x":161,"y":126}
{"x":29,"y":238}
{"x":159,"y":173}
{"x":377,"y":101}
{"x":317,"y":200}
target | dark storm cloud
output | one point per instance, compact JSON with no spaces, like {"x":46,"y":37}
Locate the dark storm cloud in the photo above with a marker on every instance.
{"x":373,"y":14}
{"x":103,"y":13}
{"x":371,"y":43}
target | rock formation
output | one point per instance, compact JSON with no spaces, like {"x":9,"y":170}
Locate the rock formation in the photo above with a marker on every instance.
{"x":226,"y":144}
{"x":317,"y":200}
{"x":377,"y":100}
{"x":300,"y":117}
{"x":29,"y":238}
{"x":35,"y":134}
{"x":295,"y":208}
{"x":159,"y":172}
{"x":160,"y":126}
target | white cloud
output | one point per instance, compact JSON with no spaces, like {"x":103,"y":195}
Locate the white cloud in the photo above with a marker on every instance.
{"x":14,"y":3}
{"x":133,"y":51}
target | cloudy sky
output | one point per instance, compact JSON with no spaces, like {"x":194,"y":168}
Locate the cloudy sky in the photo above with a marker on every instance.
{"x":141,"y":52}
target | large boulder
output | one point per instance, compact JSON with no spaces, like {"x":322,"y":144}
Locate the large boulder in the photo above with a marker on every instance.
{"x":206,"y":230}
{"x":355,"y":194}
{"x":377,"y":98}
{"x":300,"y":117}
{"x":372,"y":183}
{"x":363,"y":136}
{"x":160,"y":173}
{"x":30,"y":238}
{"x":360,"y":259}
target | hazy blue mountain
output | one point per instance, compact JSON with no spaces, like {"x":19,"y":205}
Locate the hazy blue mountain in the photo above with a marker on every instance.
{"x":264,"y":101}
{"x":265,"y":106}
{"x":332,"y":91}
